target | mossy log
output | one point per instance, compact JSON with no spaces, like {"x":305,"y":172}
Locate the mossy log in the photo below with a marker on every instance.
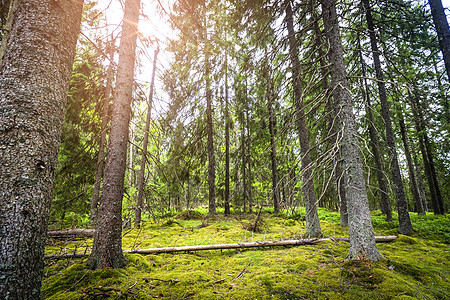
{"x":224,"y":246}
{"x":72,"y":233}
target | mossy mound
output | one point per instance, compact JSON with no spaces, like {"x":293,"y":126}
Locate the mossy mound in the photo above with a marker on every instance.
{"x":190,"y":215}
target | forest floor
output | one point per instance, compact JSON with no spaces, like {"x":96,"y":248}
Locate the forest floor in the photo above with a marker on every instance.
{"x":414,"y":267}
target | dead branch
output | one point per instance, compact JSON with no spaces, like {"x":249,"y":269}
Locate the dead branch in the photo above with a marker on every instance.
{"x":72,"y":233}
{"x":378,"y":239}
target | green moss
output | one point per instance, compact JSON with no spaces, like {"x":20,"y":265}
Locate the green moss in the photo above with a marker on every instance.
{"x":413,"y":266}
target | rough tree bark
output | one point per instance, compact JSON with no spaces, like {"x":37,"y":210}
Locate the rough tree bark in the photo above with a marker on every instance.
{"x":362,"y":240}
{"x":405,"y":226}
{"x":34,"y":80}
{"x":101,"y":148}
{"x":107,"y":247}
{"x":375,"y":145}
{"x":443,"y":31}
{"x":312,"y":218}
{"x":140,"y":197}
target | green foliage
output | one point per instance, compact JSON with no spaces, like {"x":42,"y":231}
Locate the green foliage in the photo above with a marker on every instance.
{"x":412,"y":265}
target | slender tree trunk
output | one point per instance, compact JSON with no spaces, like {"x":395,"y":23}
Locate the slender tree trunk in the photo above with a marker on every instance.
{"x":209,"y":125}
{"x":412,"y":175}
{"x":107,"y":246}
{"x":405,"y":226}
{"x":243,"y":164}
{"x":101,"y":148}
{"x":249,"y":161}
{"x":443,"y":31}
{"x":273,"y":149}
{"x":312,"y":217}
{"x":338,"y":175}
{"x":362,"y":240}
{"x":419,"y":178}
{"x":375,"y":145}
{"x":141,"y":178}
{"x":227,"y":143}
{"x":425,"y":149}
{"x":34,"y":80}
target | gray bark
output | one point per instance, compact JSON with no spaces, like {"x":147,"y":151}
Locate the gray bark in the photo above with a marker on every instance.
{"x":140,"y":197}
{"x":362,"y":240}
{"x":34,"y":80}
{"x":312,"y":218}
{"x":443,"y":31}
{"x":107,"y":246}
{"x":405,"y":226}
{"x":101,"y":148}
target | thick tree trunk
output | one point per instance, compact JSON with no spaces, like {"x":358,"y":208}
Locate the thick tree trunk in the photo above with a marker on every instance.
{"x":101,"y":148}
{"x":362,"y":240}
{"x":312,"y":217}
{"x":375,"y":145}
{"x":34,"y":79}
{"x":140,"y":197}
{"x":412,"y":175}
{"x":405,"y":226}
{"x":107,"y":247}
{"x":227,"y":143}
{"x":443,"y":31}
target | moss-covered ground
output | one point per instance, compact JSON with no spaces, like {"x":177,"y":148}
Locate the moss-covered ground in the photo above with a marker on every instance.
{"x":414,"y":267}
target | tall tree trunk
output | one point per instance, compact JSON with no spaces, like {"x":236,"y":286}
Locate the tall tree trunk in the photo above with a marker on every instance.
{"x":227,"y":143}
{"x":243,"y":164}
{"x":107,"y":246}
{"x":34,"y":80}
{"x":362,"y":239}
{"x":312,"y":217}
{"x":425,"y":149}
{"x":209,"y":125}
{"x":405,"y":226}
{"x":141,"y":178}
{"x":273,"y":149}
{"x":418,"y":171}
{"x":375,"y":145}
{"x":443,"y":31}
{"x":412,"y":175}
{"x":101,"y":148}
{"x":338,"y":174}
{"x":249,"y":161}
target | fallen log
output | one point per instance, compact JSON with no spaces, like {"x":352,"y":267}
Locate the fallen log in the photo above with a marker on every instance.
{"x":71,"y":233}
{"x":224,"y":246}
